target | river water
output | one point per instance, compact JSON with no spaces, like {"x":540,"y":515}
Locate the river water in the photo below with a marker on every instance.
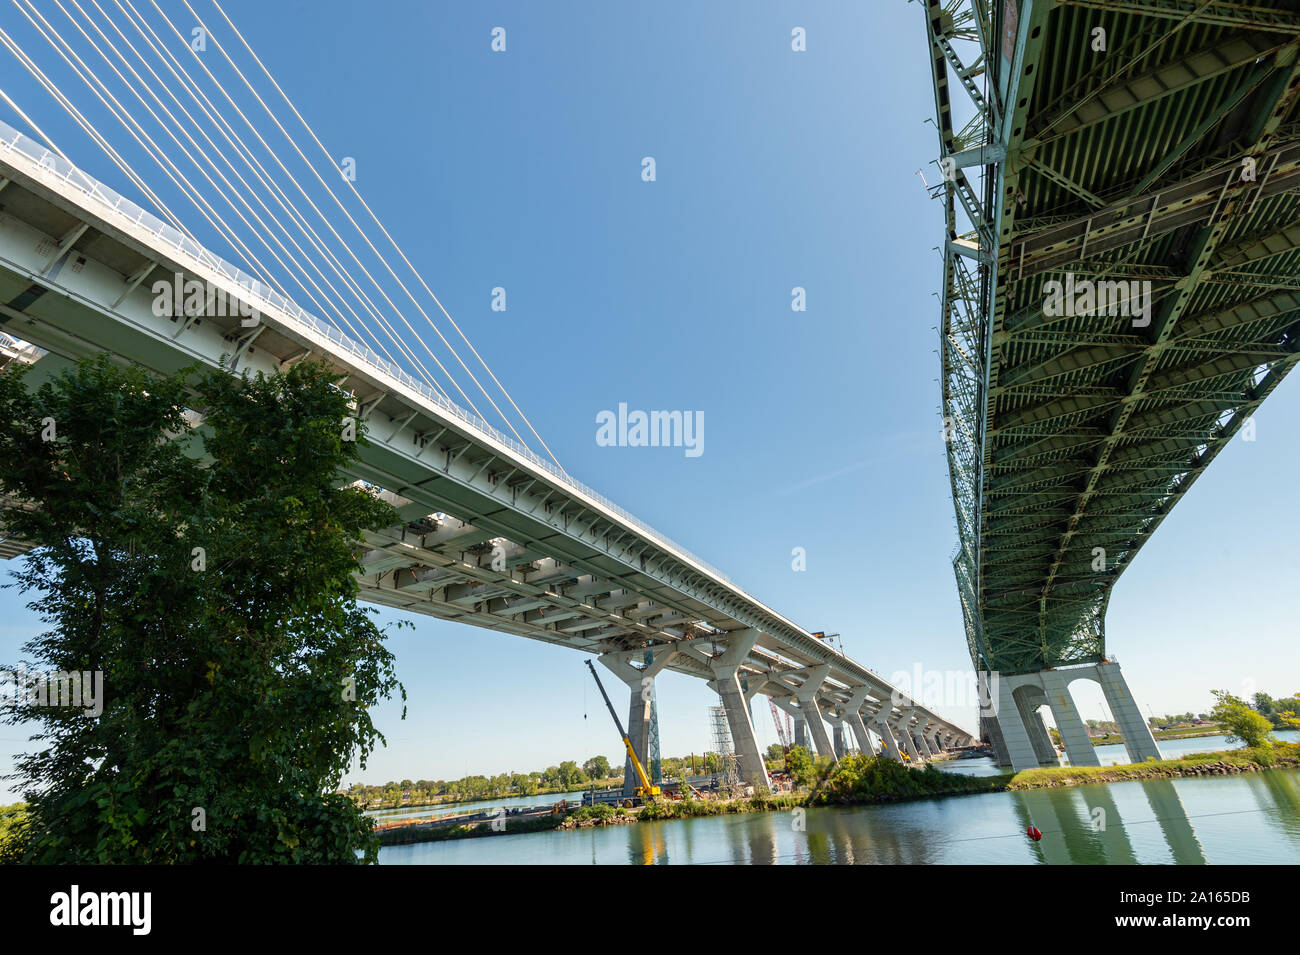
{"x":1249,"y":818}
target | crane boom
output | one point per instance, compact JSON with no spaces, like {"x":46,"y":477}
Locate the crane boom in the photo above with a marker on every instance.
{"x":782,"y":730}
{"x":645,"y":790}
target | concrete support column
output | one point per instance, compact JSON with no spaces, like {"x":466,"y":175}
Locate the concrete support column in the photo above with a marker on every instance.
{"x":904,"y":736}
{"x":923,"y":745}
{"x":640,"y":681}
{"x":1009,"y":726}
{"x":726,"y":681}
{"x":853,"y":715}
{"x":1039,"y":738}
{"x":1074,"y":733}
{"x":935,"y":742}
{"x":918,"y":736}
{"x":1139,"y":742}
{"x":865,"y":746}
{"x":807,"y":697}
{"x":837,"y":739}
{"x":800,"y":732}
{"x":882,"y":729}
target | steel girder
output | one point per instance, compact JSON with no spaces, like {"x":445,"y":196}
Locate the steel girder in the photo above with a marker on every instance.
{"x":1172,"y":161}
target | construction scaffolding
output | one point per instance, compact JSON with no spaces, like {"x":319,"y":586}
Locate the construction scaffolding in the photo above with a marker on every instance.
{"x":729,"y":772}
{"x":654,"y":766}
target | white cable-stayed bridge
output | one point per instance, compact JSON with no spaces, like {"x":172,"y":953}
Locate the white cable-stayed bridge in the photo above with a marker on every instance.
{"x":494,"y":532}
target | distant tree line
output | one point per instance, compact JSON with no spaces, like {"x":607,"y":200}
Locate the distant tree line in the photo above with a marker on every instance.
{"x":1283,"y":713}
{"x":568,"y":776}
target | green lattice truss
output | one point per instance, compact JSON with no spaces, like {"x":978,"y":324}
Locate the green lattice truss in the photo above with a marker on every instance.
{"x":1171,"y":158}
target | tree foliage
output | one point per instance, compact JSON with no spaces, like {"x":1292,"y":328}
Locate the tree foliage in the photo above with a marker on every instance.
{"x":1243,"y":723}
{"x":209,"y":576}
{"x":799,"y":764}
{"x":1280,"y":712}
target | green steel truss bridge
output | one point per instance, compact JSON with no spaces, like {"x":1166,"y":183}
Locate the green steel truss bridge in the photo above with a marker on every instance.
{"x":1162,"y":173}
{"x":1121,"y":290}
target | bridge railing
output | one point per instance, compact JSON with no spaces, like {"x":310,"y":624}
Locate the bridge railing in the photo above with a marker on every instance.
{"x":117,"y":205}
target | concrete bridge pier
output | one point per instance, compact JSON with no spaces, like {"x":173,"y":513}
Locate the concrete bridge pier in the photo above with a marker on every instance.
{"x":1005,"y":726}
{"x":853,"y":715}
{"x":1074,"y":732}
{"x":865,"y":745}
{"x":806,"y":695}
{"x":726,"y":682}
{"x":800,"y":732}
{"x":1028,"y":704}
{"x":925,"y":742}
{"x":640,"y":681}
{"x":904,"y":736}
{"x":1138,"y":739}
{"x":886,"y":735}
{"x":1016,"y":728}
{"x":917,"y":733}
{"x":837,"y":739}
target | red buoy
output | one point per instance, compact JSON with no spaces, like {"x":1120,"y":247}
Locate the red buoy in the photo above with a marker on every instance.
{"x":1034,"y":833}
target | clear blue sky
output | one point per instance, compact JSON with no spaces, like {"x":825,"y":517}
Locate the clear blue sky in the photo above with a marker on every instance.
{"x":775,"y":169}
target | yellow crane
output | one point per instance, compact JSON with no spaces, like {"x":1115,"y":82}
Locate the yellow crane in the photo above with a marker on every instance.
{"x":645,"y":790}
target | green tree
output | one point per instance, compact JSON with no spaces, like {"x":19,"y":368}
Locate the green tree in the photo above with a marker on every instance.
{"x":13,"y":839}
{"x":1264,"y":704}
{"x":571,"y":776}
{"x":208,"y":576}
{"x":799,"y":764}
{"x":597,"y":768}
{"x":1243,"y":723}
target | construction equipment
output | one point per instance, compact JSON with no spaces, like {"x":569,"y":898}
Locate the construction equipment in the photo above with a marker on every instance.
{"x":782,"y":726}
{"x":645,"y":790}
{"x":726,"y":754}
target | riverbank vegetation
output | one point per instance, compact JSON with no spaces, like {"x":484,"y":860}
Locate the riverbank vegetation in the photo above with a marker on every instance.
{"x":13,"y":820}
{"x":1283,"y":713}
{"x":569,"y":776}
{"x":1188,"y":731}
{"x":1278,"y":755}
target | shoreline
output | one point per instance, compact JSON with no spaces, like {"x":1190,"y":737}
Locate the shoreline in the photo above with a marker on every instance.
{"x":879,"y":783}
{"x":1160,"y":736}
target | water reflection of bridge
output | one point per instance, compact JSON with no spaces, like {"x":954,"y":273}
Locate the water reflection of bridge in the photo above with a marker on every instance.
{"x":1130,"y":823}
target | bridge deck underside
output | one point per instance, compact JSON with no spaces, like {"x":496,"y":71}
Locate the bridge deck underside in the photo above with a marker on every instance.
{"x":485,"y":538}
{"x":1172,"y":158}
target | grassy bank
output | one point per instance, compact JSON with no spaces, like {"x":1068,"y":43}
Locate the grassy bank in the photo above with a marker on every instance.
{"x":1224,"y":763}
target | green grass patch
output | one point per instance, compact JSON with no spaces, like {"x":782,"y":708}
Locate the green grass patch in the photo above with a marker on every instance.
{"x":1225,"y":762}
